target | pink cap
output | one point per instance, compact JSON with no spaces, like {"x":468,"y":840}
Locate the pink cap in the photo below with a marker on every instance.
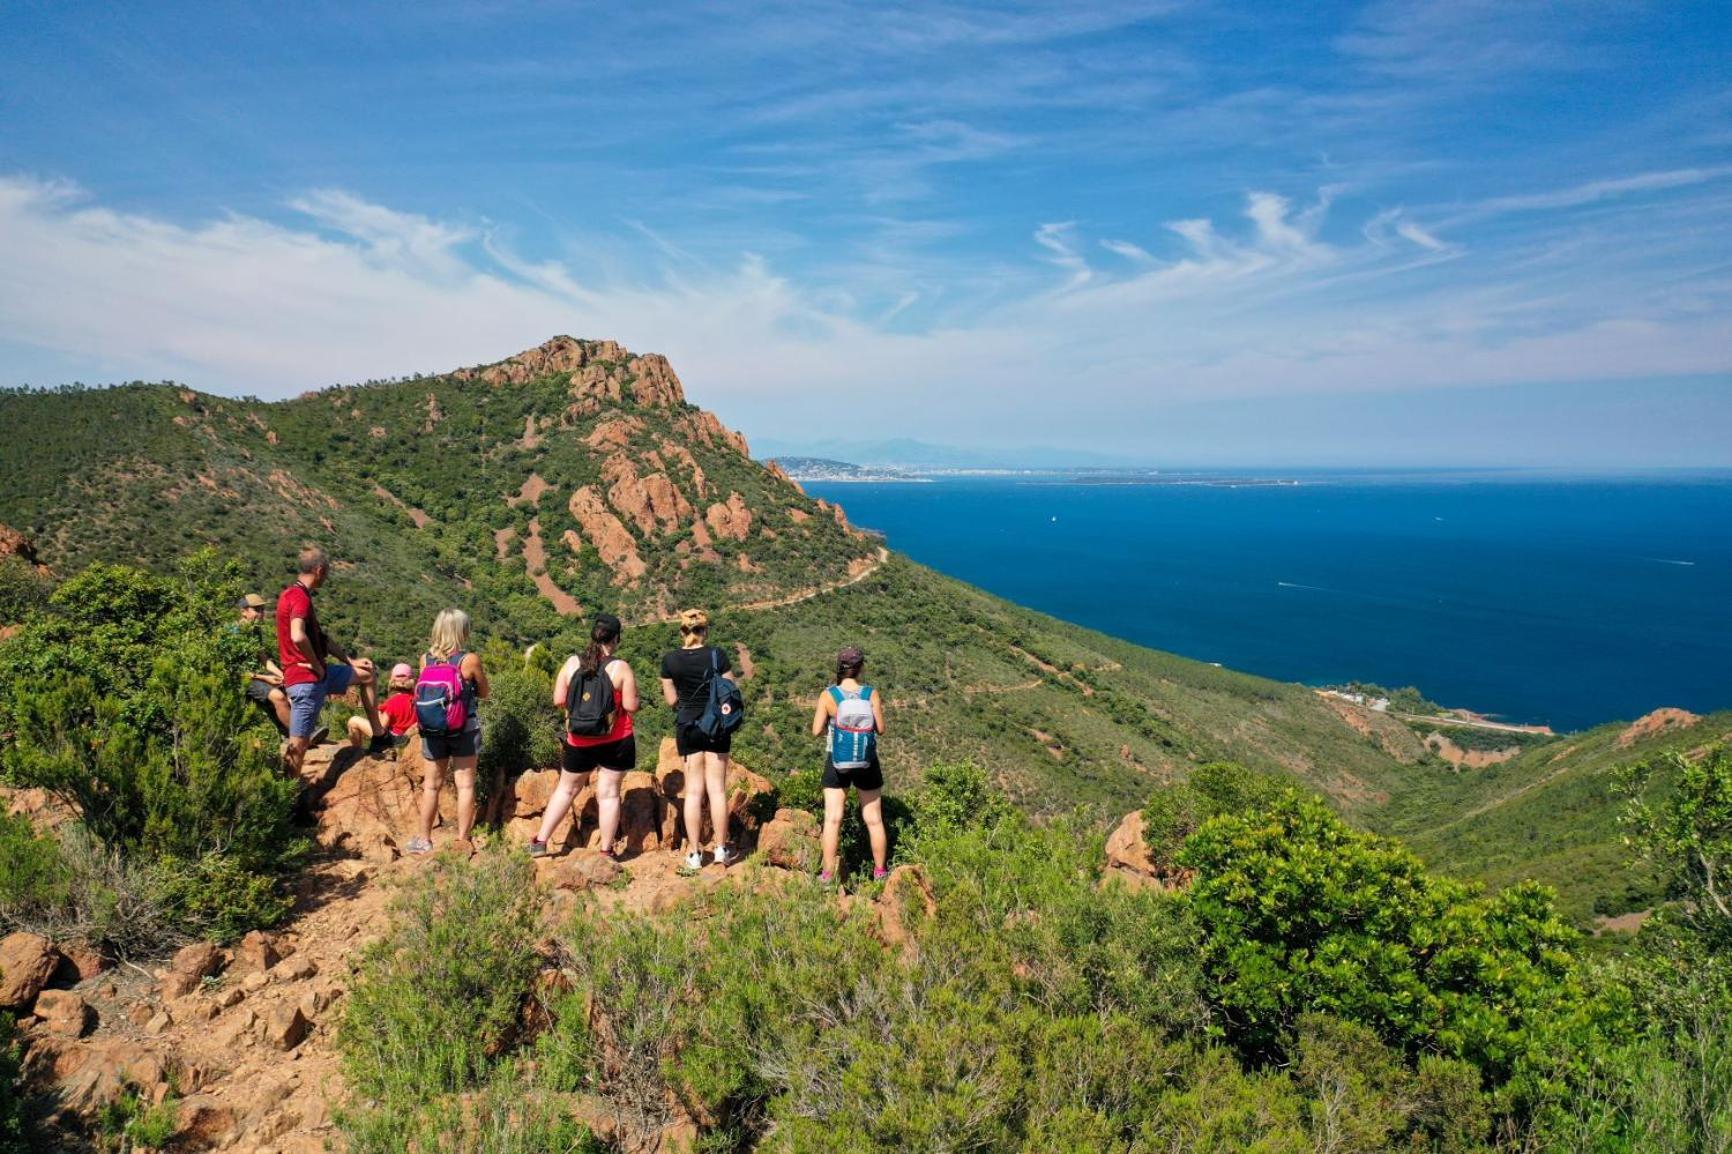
{"x":401,"y":669}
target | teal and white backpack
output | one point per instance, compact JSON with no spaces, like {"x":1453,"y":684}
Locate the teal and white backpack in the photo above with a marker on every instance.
{"x":854,"y":732}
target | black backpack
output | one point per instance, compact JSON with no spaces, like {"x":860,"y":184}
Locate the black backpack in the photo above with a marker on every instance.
{"x":726,"y":709}
{"x":589,"y":704}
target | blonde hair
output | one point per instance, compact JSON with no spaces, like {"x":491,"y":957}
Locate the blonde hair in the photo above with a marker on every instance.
{"x":450,"y":633}
{"x":694,"y":627}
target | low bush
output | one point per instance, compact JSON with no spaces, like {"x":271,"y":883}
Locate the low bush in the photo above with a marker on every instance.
{"x":1218,"y":787}
{"x":33,"y":882}
{"x":15,"y":1129}
{"x":1300,"y":913}
{"x":440,"y":997}
{"x":124,"y":703}
{"x":522,"y":727}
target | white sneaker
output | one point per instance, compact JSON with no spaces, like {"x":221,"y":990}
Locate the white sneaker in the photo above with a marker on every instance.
{"x":694,"y":860}
{"x":724,"y":856}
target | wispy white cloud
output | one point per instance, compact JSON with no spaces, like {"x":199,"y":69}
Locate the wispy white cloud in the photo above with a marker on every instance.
{"x":1259,"y":306}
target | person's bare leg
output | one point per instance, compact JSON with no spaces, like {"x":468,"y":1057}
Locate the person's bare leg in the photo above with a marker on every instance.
{"x":716,"y":785}
{"x":280,"y":706}
{"x":694,"y":803}
{"x":463,"y":770}
{"x":364,"y":689}
{"x":433,"y":772}
{"x":607,"y":805}
{"x":835,"y":802}
{"x":570,"y":785}
{"x":872,"y":809}
{"x":293,"y":754}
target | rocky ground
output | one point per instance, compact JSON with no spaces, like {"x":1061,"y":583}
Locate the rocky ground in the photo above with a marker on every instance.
{"x":244,"y":1036}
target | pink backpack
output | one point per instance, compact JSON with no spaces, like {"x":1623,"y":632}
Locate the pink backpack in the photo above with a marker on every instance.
{"x":441,"y":698}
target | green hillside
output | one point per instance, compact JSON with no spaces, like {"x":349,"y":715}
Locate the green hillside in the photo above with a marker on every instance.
{"x":576,"y":476}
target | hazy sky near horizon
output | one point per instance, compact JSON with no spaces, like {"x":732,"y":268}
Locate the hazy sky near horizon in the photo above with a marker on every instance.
{"x":1405,"y":230}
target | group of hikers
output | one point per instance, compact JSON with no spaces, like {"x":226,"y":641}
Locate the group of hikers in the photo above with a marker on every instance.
{"x":597,"y":695}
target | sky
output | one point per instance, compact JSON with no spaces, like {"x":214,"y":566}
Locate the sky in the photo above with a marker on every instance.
{"x":1405,"y":231}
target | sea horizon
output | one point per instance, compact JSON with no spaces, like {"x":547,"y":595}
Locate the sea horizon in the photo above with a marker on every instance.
{"x":1548,"y":596}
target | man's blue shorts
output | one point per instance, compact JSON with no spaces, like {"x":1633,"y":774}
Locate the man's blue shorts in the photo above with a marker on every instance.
{"x":307,"y":699}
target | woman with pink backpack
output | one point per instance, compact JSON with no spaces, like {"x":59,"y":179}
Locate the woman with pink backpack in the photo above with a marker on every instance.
{"x":451,"y":684}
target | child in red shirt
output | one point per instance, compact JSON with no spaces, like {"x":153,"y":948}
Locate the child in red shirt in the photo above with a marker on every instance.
{"x":396,"y":711}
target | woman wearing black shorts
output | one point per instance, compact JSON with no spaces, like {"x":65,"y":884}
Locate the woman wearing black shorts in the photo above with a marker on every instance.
{"x":686,"y":674}
{"x":613,"y":754}
{"x":867,"y":778}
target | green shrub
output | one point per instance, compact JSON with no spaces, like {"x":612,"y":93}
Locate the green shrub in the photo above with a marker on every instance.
{"x":33,"y":882}
{"x":1300,"y":913}
{"x":510,"y":1115}
{"x":15,"y":1130}
{"x":124,"y":702}
{"x":23,"y":591}
{"x":1177,"y":811}
{"x":958,"y":796}
{"x":439,"y":998}
{"x":521,"y":724}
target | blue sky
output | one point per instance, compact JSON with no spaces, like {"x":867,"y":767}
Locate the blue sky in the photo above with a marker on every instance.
{"x":1413,"y":232}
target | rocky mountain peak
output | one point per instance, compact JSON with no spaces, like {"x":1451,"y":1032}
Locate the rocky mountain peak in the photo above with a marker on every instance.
{"x":601,"y":373}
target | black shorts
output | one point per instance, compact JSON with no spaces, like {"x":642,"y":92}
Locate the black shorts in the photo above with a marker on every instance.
{"x":260,"y":691}
{"x":867,"y":777}
{"x":687,"y":740}
{"x":620,"y":755}
{"x":466,"y":744}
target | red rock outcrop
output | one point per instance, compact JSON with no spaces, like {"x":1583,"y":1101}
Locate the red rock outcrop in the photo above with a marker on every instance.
{"x":614,"y":433}
{"x":703,"y":425}
{"x":15,"y":544}
{"x":656,"y":385}
{"x":774,"y":468}
{"x":1130,"y":859}
{"x":683,"y":455}
{"x":907,"y":895}
{"x":650,"y":502}
{"x":1659,"y":721}
{"x":790,"y":840}
{"x":608,"y":534}
{"x":732,"y":520}
{"x":562,"y":354}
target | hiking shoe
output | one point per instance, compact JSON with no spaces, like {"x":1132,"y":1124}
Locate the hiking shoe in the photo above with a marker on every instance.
{"x":614,"y":851}
{"x":724,"y":856}
{"x":418,"y":845}
{"x":879,"y":874}
{"x":826,"y":878}
{"x":319,"y":736}
{"x":537,"y":848}
{"x":380,"y":745}
{"x":694,"y":861}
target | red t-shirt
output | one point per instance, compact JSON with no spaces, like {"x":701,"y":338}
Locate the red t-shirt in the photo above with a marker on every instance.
{"x":297,"y":601}
{"x":399,"y":712}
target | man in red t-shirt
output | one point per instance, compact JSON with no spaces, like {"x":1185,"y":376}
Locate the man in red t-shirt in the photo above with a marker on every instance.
{"x":313,"y":666}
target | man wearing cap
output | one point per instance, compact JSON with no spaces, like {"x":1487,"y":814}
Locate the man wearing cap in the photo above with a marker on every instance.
{"x":314,"y":666}
{"x":265,"y":684}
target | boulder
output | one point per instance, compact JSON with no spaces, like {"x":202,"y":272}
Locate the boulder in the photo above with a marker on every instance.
{"x":90,"y":1073}
{"x":27,"y":961}
{"x":190,"y":967}
{"x":256,"y":952}
{"x":907,"y":894}
{"x":203,"y":1122}
{"x":65,"y":1013}
{"x":585,"y":871}
{"x":1126,"y":849}
{"x":295,"y":969}
{"x":287,"y":1027}
{"x":84,"y":960}
{"x":1130,"y":860}
{"x":790,"y":840}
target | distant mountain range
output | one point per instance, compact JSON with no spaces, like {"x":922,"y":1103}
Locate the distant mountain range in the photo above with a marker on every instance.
{"x":907,"y":453}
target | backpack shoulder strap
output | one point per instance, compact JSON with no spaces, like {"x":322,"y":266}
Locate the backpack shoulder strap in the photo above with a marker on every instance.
{"x":865,"y":693}
{"x":836,"y":694}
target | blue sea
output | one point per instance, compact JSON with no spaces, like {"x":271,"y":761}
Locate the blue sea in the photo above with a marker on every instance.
{"x":1534,"y":598}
